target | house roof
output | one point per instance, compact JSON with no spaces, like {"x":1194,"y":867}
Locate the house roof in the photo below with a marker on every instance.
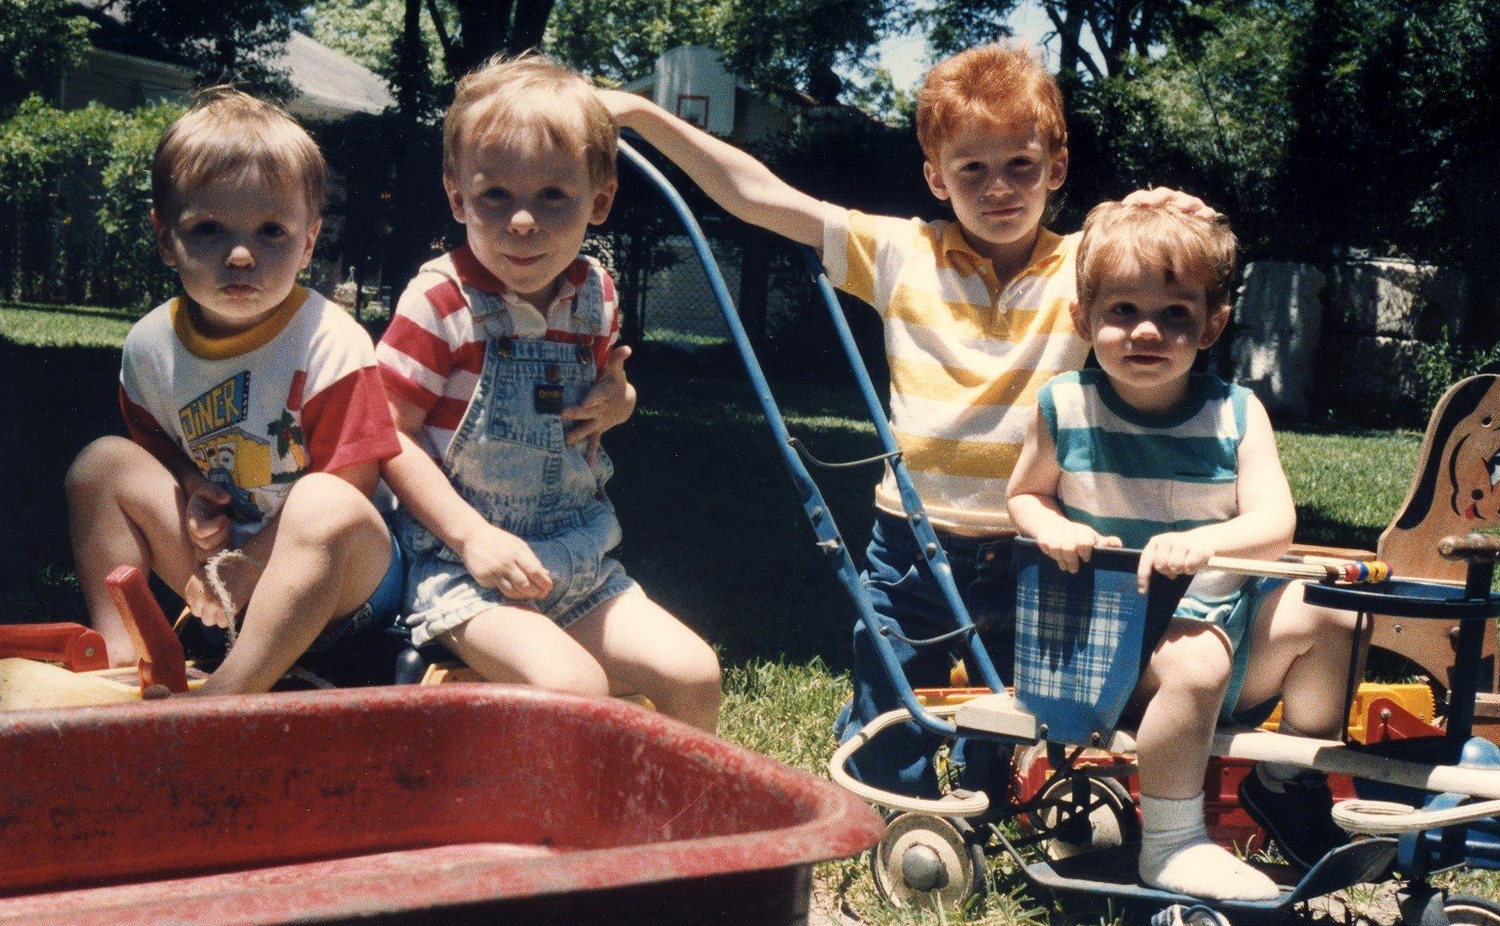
{"x":329,"y":84}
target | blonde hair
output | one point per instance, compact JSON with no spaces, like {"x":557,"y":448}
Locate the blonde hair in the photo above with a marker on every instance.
{"x":1000,"y":84}
{"x":1183,"y":248}
{"x":532,"y":92}
{"x":230,"y":133}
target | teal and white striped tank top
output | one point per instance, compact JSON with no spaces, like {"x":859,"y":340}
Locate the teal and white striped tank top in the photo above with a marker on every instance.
{"x":1136,"y":475}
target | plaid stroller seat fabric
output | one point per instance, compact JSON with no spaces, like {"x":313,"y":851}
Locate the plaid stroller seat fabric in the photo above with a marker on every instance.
{"x":1082,"y":638}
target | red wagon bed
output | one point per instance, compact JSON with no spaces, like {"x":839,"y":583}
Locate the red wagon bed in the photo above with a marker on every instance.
{"x":453,"y":804}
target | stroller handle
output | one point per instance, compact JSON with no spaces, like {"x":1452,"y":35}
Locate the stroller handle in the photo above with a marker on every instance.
{"x":950,"y":805}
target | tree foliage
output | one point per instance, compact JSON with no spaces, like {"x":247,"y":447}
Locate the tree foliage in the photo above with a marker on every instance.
{"x":74,"y":223}
{"x":776,"y":45}
{"x":621,"y":39}
{"x":369,"y":31}
{"x":241,"y":42}
{"x":1095,"y":38}
{"x":39,"y":39}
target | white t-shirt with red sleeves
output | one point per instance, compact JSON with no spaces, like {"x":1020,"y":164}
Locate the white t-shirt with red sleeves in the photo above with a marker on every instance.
{"x":433,"y":351}
{"x":258,"y":409}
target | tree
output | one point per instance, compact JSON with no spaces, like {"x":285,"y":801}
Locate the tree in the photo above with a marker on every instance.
{"x":39,"y":39}
{"x":1210,"y":114}
{"x":370,"y":32}
{"x":775,"y":46}
{"x":1095,"y":37}
{"x":621,"y":39}
{"x":469,"y":31}
{"x":240,"y":42}
{"x":800,"y":43}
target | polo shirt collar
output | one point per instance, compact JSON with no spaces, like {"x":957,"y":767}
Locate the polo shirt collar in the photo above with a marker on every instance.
{"x":474,"y":274}
{"x":1045,"y":254}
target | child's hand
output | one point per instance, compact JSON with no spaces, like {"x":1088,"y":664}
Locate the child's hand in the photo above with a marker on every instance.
{"x":1172,"y":554}
{"x":201,"y":600}
{"x":207,"y":518}
{"x":1172,"y":199}
{"x":611,"y":401}
{"x":500,"y":560}
{"x":1071,"y":543}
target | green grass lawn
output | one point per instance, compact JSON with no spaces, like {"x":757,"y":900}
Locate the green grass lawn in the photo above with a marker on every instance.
{"x":63,"y":325}
{"x":713,"y":528}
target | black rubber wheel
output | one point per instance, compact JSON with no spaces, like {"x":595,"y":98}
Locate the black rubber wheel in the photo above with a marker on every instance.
{"x":1468,"y":910}
{"x":1189,"y":915}
{"x":924,"y":860}
{"x":1111,"y":820}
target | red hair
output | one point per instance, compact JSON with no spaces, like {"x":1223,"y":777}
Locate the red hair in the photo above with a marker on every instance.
{"x":1001,"y":84}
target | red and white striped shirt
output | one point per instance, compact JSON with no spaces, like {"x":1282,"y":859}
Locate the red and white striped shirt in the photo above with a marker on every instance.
{"x":433,"y":351}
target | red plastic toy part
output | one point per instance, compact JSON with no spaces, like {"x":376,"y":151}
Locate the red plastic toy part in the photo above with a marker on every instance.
{"x":77,"y":647}
{"x":162,"y":659}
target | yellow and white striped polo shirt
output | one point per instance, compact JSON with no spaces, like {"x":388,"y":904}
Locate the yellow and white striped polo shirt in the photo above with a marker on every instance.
{"x":966,"y":356}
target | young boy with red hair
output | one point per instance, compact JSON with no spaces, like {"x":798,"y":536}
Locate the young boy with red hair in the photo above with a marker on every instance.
{"x":976,"y":319}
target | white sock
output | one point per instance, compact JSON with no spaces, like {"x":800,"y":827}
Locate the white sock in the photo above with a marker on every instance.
{"x":1177,"y":855}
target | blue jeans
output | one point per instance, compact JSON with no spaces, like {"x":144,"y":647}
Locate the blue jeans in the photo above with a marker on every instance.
{"x":907,"y":599}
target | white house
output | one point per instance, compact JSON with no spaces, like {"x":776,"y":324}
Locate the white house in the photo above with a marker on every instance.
{"x":120,"y":74}
{"x":692,"y":82}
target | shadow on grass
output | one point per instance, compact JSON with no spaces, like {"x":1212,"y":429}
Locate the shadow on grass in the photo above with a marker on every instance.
{"x":54,"y":402}
{"x":714,"y":529}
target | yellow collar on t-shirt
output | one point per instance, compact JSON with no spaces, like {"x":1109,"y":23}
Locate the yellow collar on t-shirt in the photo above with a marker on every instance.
{"x":206,"y":347}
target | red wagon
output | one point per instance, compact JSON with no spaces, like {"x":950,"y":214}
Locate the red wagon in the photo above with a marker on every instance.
{"x":454,"y":804}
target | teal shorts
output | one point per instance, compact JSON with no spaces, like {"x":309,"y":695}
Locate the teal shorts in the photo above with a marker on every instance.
{"x":1237,"y":619}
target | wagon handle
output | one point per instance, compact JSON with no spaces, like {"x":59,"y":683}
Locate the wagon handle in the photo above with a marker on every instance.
{"x":1476,"y":548}
{"x":162,"y":661}
{"x":77,"y":647}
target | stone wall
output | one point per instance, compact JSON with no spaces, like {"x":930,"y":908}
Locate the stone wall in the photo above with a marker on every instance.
{"x":1348,"y":338}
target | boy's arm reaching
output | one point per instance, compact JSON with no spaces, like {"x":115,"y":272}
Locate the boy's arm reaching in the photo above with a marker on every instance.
{"x":733,"y":179}
{"x":495,"y":558}
{"x":1262,"y":530}
{"x":1031,"y":501}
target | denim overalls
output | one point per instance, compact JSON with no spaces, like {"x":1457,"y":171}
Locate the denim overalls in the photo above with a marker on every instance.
{"x":509,"y":462}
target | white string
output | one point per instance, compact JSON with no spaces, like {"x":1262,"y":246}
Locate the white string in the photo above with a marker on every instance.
{"x":221,"y":591}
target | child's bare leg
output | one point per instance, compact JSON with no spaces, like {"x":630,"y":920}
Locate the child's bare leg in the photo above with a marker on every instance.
{"x":644,"y":649}
{"x":519,"y":645}
{"x":1185,"y":684}
{"x":124,"y":509}
{"x":329,"y":552}
{"x":1303,"y":653}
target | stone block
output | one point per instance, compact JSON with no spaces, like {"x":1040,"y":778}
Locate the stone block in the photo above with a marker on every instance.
{"x":1399,"y":299}
{"x":1278,"y":324}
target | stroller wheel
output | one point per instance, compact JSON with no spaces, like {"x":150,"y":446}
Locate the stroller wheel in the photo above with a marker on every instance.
{"x":1183,"y":915}
{"x":1468,"y":910}
{"x":922,"y":856}
{"x":1106,"y":819}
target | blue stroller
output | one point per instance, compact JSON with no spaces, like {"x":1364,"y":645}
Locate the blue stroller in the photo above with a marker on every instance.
{"x":1424,"y":805}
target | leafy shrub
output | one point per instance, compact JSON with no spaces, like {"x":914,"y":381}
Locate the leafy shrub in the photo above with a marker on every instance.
{"x":74,"y":204}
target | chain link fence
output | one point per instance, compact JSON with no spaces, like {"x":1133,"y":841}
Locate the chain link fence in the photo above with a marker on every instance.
{"x":667,"y":301}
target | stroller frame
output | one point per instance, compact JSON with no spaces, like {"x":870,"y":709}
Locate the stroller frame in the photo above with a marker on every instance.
{"x":1419,"y":843}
